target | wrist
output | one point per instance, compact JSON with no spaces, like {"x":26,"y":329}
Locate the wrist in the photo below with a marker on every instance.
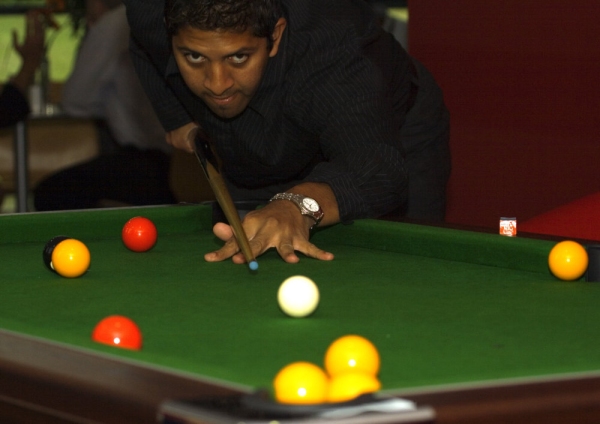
{"x":308,"y":206}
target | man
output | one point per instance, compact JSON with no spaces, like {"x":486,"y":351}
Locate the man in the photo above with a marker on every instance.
{"x":133,"y":167}
{"x":302,"y":99}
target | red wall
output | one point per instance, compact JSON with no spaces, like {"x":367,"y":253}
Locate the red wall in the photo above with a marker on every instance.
{"x":522,"y":81}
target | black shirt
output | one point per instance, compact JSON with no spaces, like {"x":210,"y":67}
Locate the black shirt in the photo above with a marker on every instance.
{"x":329,"y":108}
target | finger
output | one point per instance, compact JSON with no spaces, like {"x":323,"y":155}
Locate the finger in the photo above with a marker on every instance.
{"x":189,"y":138}
{"x":15,"y":40}
{"x":288,"y":253}
{"x":33,"y":24}
{"x":257,"y":249}
{"x":223,"y":231}
{"x":229,"y":249}
{"x":29,"y":27}
{"x":238,"y":258}
{"x":183,"y":144}
{"x":313,"y":251}
{"x":323,"y":255}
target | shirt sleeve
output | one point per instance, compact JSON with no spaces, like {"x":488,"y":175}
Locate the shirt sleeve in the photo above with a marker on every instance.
{"x":364,"y":163}
{"x":358,"y":122}
{"x":169,"y":110}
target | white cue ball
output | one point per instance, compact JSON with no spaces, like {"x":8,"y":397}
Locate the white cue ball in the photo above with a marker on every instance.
{"x":298,"y":296}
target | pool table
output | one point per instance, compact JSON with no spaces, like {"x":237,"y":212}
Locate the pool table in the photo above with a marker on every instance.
{"x":471,"y":326}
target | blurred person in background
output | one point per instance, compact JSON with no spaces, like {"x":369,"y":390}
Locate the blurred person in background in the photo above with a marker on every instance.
{"x":133,"y":166}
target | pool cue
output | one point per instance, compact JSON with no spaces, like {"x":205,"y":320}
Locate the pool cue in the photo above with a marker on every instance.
{"x":211,"y":165}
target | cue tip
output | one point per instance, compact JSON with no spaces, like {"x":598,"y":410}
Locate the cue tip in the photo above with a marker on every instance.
{"x":253,"y":265}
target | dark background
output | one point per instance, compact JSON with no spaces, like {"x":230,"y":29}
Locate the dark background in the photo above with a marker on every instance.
{"x":521,"y":79}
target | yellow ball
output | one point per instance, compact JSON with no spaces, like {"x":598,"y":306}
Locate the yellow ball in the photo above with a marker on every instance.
{"x":568,"y":260}
{"x":70,"y":258}
{"x":352,"y":353}
{"x":345,"y":387}
{"x":301,"y":383}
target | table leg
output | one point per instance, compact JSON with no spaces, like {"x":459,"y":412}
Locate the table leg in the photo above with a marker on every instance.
{"x":20,"y":165}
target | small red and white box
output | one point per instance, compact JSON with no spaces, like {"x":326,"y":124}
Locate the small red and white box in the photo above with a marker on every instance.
{"x":508,"y":227}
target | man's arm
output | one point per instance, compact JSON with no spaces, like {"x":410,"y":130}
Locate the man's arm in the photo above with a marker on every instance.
{"x":31,"y":51}
{"x":169,"y":110}
{"x":150,"y":52}
{"x":362,"y":175}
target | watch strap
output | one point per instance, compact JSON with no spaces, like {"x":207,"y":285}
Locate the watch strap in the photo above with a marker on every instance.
{"x":298,"y":200}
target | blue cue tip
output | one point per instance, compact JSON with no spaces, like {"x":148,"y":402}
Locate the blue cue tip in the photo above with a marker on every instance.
{"x":253,"y":265}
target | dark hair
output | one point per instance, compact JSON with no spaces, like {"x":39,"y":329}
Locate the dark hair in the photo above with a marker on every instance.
{"x":230,"y":15}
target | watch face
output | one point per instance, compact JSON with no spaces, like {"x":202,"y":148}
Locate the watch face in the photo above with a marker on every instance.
{"x":311,"y":205}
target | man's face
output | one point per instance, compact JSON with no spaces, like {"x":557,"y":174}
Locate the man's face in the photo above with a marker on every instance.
{"x":223,"y":68}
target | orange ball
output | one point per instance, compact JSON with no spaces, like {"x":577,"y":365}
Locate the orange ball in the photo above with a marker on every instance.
{"x":301,"y":383}
{"x":568,"y":260}
{"x":118,"y":331}
{"x":352,"y":353}
{"x":139,"y":234}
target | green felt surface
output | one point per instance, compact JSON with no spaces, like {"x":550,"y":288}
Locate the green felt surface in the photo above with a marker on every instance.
{"x":443,"y":306}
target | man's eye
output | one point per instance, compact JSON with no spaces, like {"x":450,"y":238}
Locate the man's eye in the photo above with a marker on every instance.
{"x":194,"y":57}
{"x":239,"y":58}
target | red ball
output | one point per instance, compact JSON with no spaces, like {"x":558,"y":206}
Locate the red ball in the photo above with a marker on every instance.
{"x":139,"y":234}
{"x":118,"y":331}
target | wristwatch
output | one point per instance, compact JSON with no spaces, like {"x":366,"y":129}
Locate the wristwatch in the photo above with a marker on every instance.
{"x":308,"y":206}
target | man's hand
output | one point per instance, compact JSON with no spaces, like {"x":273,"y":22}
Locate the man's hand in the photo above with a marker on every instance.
{"x":31,"y":50}
{"x":281,"y":226}
{"x":183,"y":137}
